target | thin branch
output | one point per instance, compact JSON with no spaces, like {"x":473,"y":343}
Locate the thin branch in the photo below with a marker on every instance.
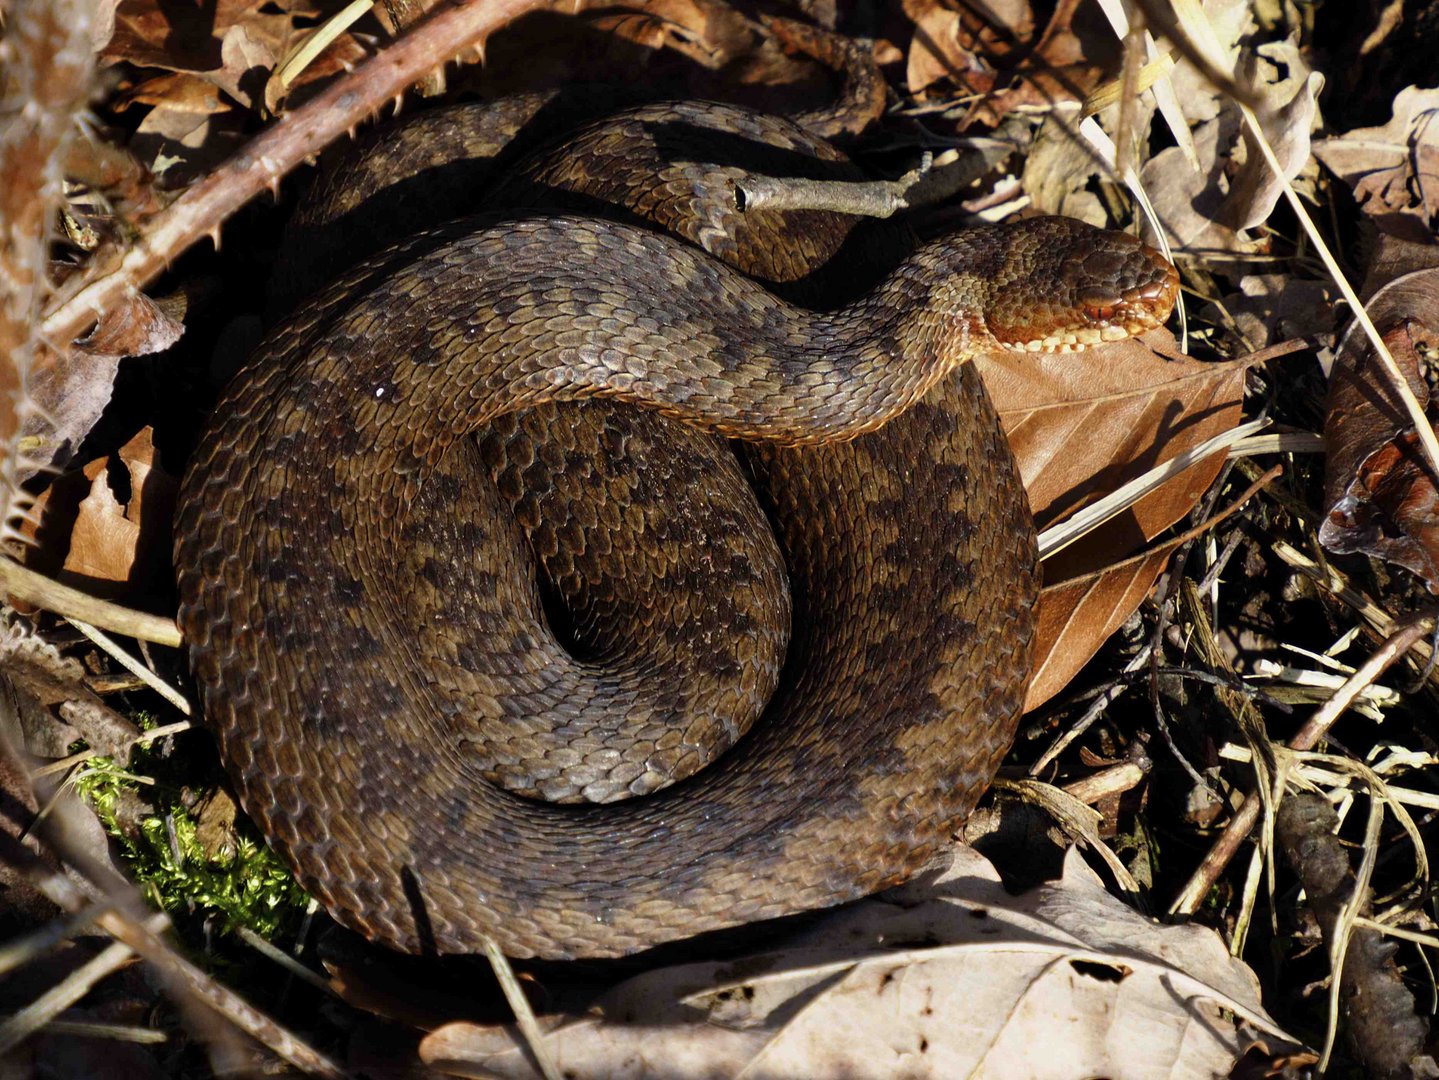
{"x":276,"y":152}
{"x":130,"y":664}
{"x":26,"y":585}
{"x":1239,"y":827}
{"x":862,"y":198}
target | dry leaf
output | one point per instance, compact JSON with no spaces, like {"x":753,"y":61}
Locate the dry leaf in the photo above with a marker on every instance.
{"x":231,"y":46}
{"x":1391,"y":258}
{"x":1083,"y":425}
{"x":957,"y":41}
{"x":948,"y":976}
{"x":1189,"y":202}
{"x":1073,"y":55}
{"x":710,"y":33}
{"x":1295,"y":113}
{"x":1209,"y":209}
{"x":992,"y":50}
{"x":1269,"y":308}
{"x":110,"y":548}
{"x":72,"y":392}
{"x":1058,"y":171}
{"x":1076,"y":616}
{"x":1394,"y":169}
{"x":1379,"y":494}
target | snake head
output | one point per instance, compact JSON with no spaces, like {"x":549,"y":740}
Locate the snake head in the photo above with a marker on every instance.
{"x":1061,"y":285}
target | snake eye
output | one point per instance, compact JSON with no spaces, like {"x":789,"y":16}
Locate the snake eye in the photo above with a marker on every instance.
{"x":1098,"y":302}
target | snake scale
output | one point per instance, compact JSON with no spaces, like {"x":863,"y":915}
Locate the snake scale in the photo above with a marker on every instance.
{"x":397,"y":690}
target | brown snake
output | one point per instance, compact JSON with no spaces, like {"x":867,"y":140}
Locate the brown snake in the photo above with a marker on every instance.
{"x":387,"y":709}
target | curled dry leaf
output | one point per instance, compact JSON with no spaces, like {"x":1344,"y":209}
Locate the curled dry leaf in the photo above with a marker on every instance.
{"x":1295,"y":100}
{"x":996,"y":51}
{"x":114,"y":548}
{"x":215,"y":55}
{"x":710,"y":33}
{"x":1393,"y":169}
{"x":1059,"y":172}
{"x":963,"y":43}
{"x":1188,"y":201}
{"x":1209,"y":208}
{"x":72,"y":391}
{"x":948,"y":976}
{"x":194,"y":40}
{"x":1269,"y":308}
{"x":1379,"y":493}
{"x":1082,"y":426}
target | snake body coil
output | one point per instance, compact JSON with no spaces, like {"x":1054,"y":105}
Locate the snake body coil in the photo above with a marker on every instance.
{"x":389,"y":711}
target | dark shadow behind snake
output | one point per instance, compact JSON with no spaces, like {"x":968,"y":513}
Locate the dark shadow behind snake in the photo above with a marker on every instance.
{"x":386,"y":710}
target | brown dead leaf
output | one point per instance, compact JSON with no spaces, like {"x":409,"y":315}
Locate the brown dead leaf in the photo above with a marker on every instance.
{"x":948,"y":976}
{"x":962,"y":42}
{"x":73,"y":392}
{"x":710,"y":33}
{"x":1081,"y":426}
{"x":1295,"y":97}
{"x":1076,"y":51}
{"x":996,"y":51}
{"x":176,"y":37}
{"x":1379,"y":493}
{"x":1209,"y":209}
{"x":1392,"y":258}
{"x":232,"y":45}
{"x":707,"y":46}
{"x":1058,"y":171}
{"x":217,"y":56}
{"x":178,"y":92}
{"x":1076,"y":616}
{"x":139,"y":327}
{"x":115,"y":546}
{"x":1394,"y":169}
{"x":1189,"y":202}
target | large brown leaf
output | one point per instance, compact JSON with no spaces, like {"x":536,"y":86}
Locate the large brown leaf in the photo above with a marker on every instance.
{"x":1082,"y":426}
{"x":1078,"y":615}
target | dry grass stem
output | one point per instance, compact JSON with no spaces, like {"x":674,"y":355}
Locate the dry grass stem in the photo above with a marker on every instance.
{"x":64,"y":764}
{"x":45,"y":1008}
{"x":1058,"y":537}
{"x":126,"y":921}
{"x":130,"y":664}
{"x":20,"y":950}
{"x":525,"y":1018}
{"x":1245,"y":818}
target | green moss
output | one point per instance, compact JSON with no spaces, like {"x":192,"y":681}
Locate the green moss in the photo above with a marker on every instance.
{"x":243,"y":882}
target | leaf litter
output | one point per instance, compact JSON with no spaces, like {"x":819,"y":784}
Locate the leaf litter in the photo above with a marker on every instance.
{"x":186,"y":89}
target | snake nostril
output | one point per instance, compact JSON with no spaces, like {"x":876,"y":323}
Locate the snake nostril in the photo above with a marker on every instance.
{"x":1152,"y":292}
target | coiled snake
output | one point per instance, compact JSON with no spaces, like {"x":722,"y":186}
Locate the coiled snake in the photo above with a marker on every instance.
{"x":390,"y":685}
